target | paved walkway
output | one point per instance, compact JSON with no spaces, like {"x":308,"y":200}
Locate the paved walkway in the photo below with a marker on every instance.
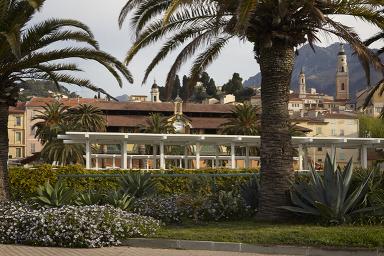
{"x":14,"y":250}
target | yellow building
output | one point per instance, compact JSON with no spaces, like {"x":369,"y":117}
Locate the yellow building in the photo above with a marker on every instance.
{"x":341,"y":124}
{"x":376,"y":104}
{"x":16,"y":131}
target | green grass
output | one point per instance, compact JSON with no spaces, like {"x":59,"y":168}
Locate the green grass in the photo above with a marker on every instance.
{"x":281,"y":234}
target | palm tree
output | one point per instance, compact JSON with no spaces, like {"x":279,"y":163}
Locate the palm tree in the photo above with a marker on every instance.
{"x":56,"y":150}
{"x":156,"y":123}
{"x":27,"y":52}
{"x":276,"y":29}
{"x":86,"y":118}
{"x":50,"y":120}
{"x":246,"y":121}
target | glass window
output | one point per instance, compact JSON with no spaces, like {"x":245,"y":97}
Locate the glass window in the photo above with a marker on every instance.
{"x":318,"y":130}
{"x":18,"y":137}
{"x":341,"y":132}
{"x":18,"y":152}
{"x":18,"y":121}
{"x":319,"y":149}
{"x":33,"y":148}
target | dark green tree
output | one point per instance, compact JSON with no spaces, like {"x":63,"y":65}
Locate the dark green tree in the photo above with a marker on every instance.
{"x":211,"y":88}
{"x":234,"y":85}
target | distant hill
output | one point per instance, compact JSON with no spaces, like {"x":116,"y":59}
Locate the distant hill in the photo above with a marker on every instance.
{"x":33,"y":88}
{"x":122,"y":98}
{"x":320,"y":70}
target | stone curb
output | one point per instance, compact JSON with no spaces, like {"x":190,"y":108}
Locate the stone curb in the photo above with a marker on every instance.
{"x":249,"y":248}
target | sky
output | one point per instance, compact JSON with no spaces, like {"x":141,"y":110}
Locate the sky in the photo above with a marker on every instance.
{"x":101,"y":17}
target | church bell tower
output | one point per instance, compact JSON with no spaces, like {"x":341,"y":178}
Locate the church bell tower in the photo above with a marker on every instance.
{"x":342,"y":76}
{"x":302,"y":84}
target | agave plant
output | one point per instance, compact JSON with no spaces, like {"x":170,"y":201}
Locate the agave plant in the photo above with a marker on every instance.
{"x":331,"y":196}
{"x":89,"y":197}
{"x":137,"y":184}
{"x":249,"y":191}
{"x":54,"y":196}
{"x":120,"y":200}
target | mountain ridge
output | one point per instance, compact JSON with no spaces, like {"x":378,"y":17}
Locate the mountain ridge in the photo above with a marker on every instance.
{"x":320,"y":70}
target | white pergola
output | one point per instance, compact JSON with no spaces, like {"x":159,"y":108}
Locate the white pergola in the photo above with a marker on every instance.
{"x":160,"y":140}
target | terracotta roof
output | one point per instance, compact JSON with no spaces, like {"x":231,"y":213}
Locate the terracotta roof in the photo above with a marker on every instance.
{"x":341,"y":116}
{"x":138,"y":120}
{"x":125,"y":120}
{"x":164,"y":107}
{"x":18,"y":109}
{"x":207,"y":123}
{"x":39,"y":102}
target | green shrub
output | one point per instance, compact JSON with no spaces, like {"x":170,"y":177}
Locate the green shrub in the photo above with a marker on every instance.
{"x":24,"y":181}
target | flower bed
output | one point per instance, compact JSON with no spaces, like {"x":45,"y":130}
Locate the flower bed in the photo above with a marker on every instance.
{"x":71,"y":226}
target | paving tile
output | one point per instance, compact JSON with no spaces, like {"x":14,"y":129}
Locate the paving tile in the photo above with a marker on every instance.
{"x":15,"y":250}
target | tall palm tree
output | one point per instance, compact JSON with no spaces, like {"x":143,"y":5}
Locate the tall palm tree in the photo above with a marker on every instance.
{"x":87,"y":118}
{"x":50,"y":120}
{"x":27,"y":51}
{"x":276,"y":29}
{"x":246,"y":121}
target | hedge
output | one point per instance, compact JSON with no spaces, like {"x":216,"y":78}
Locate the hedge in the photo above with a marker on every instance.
{"x":24,"y":181}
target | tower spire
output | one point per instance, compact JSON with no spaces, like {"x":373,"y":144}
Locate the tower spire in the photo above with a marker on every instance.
{"x":342,"y":75}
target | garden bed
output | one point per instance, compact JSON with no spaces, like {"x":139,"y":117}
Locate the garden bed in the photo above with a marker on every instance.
{"x":251,"y":232}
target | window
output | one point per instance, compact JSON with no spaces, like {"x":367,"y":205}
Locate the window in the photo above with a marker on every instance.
{"x":342,"y":86}
{"x":318,"y":130}
{"x":320,"y":149}
{"x":342,"y":69}
{"x":18,"y":121}
{"x":333,"y":131}
{"x":154,"y":98}
{"x":18,"y":152}
{"x":341,"y":155}
{"x":18,"y":137}
{"x":33,"y":148}
{"x":341,"y":132}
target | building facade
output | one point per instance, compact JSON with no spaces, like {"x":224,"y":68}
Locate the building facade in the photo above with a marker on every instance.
{"x":17,"y":132}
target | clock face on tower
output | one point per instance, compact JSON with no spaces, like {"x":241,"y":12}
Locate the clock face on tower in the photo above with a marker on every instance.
{"x":179,"y":126}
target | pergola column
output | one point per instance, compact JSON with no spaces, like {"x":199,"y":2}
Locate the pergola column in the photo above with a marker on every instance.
{"x":233,"y":156}
{"x":364,"y":156}
{"x":305,"y":157}
{"x":198,"y":155}
{"x":97,"y":162}
{"x":87,"y":154}
{"x":186,"y":156}
{"x":301,"y":166}
{"x":162,"y":157}
{"x":114,"y":162}
{"x":217,"y":164}
{"x":130,"y":162}
{"x":154,"y":156}
{"x":124,"y":156}
{"x":247,"y":157}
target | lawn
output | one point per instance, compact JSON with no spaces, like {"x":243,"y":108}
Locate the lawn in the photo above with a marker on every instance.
{"x":283,"y":234}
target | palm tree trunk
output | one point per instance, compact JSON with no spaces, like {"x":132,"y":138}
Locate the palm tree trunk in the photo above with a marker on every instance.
{"x":276,"y":66}
{"x":4,"y":182}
